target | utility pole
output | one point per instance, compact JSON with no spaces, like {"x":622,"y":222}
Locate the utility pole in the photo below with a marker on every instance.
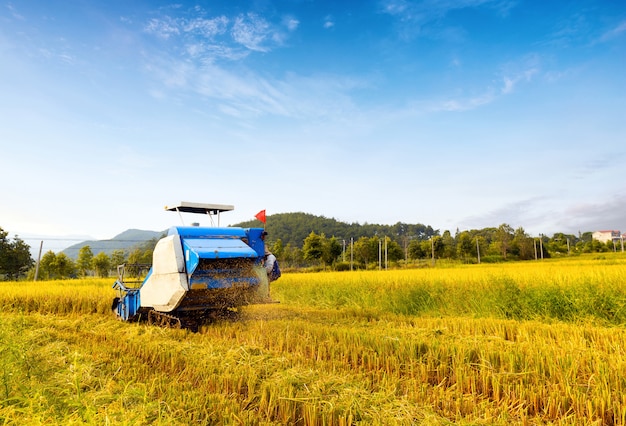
{"x":386,"y":257}
{"x":432,"y":248}
{"x":477,"y":249}
{"x":351,"y":251}
{"x":39,"y":260}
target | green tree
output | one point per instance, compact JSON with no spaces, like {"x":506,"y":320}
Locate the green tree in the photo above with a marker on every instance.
{"x":313,"y":247}
{"x":84,"y":260}
{"x":118,"y":257}
{"x":278,"y":249}
{"x":427,"y":247}
{"x":595,"y":246}
{"x":15,"y":258}
{"x":561,"y":243}
{"x":141,"y":256}
{"x":366,"y":250}
{"x":56,"y":266}
{"x":415,"y":250}
{"x":433,"y":245}
{"x":64,"y":266}
{"x":22,"y":260}
{"x":504,"y":235}
{"x":148,"y":248}
{"x":482,"y":243}
{"x":394,"y":250}
{"x":523,"y":245}
{"x":465,"y":246}
{"x":331,"y":250}
{"x":292,"y":256}
{"x":46,"y":265}
{"x":102,"y":264}
{"x":137,"y":257}
{"x":449,"y":245}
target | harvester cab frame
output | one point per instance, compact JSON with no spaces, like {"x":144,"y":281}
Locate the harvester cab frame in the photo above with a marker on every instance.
{"x":211,"y":210}
{"x":196,"y":273}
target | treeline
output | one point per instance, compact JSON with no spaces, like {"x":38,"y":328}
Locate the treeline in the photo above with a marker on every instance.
{"x":293,"y":228}
{"x":405,"y":249}
{"x":16,"y":261}
{"x":60,"y":266}
{"x":301,"y":240}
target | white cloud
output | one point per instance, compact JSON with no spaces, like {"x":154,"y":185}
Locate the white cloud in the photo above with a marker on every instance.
{"x":414,"y":15}
{"x":395,"y":7}
{"x":163,"y":28}
{"x":464,"y":104}
{"x":508,"y":85}
{"x":329,"y":22}
{"x":512,"y":75}
{"x":248,"y":94}
{"x":516,"y":72}
{"x":425,"y":10}
{"x":593,"y":216}
{"x":291,"y":23}
{"x":221,"y":37}
{"x":14,"y":12}
{"x":581,"y":29}
{"x":208,"y":28}
{"x":510,"y":82}
{"x":614,"y":32}
{"x":167,"y":27}
{"x":251,"y":31}
{"x":516,"y":214}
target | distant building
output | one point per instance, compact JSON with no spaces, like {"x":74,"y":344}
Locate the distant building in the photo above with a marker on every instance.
{"x":605,"y":236}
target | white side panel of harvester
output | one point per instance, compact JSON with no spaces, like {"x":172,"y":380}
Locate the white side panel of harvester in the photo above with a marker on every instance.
{"x":167,"y":285}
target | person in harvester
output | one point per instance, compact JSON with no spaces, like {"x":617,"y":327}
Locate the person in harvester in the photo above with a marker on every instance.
{"x":271,"y":264}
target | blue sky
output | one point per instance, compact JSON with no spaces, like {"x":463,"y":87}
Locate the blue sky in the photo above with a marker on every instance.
{"x":456,"y":114}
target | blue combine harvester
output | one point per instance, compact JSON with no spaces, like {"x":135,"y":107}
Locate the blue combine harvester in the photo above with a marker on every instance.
{"x":196,"y":272}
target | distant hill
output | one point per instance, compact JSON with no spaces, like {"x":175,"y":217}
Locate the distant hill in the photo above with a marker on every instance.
{"x":127,"y":240}
{"x":290,"y":228}
{"x":293,"y":228}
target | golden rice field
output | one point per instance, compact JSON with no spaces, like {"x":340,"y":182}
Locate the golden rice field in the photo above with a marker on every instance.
{"x":521,"y":343}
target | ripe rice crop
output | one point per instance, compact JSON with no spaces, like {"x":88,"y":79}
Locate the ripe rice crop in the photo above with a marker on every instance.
{"x":591,"y":289}
{"x":527,"y":343}
{"x":84,"y":296}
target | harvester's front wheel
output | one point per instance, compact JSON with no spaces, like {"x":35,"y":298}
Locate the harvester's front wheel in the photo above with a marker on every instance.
{"x":114,"y":305}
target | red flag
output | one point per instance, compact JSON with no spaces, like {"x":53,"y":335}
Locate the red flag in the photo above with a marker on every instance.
{"x":261,"y":216}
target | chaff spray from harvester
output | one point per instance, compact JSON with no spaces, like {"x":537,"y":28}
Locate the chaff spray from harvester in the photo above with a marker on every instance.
{"x":197,"y":273}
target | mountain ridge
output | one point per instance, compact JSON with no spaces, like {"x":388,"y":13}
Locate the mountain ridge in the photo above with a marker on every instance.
{"x":291,"y":228}
{"x":126,"y":240}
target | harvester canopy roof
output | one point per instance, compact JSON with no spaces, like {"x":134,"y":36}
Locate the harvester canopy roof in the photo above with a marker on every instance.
{"x":187,"y":207}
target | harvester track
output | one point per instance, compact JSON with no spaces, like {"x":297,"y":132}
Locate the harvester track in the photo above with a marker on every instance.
{"x":163,"y":320}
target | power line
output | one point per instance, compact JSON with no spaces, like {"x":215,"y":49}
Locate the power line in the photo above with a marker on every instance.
{"x":80,"y":240}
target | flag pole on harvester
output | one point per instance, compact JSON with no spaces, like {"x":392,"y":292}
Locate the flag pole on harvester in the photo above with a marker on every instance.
{"x":261,"y":216}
